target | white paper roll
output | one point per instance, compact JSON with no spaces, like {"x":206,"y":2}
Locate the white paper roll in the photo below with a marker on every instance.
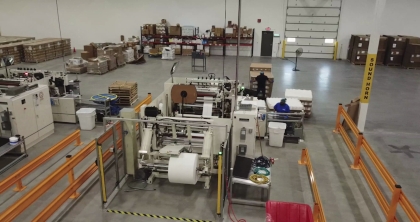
{"x":183,"y":169}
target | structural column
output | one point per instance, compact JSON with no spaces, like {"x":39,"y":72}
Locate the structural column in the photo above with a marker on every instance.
{"x":370,"y":63}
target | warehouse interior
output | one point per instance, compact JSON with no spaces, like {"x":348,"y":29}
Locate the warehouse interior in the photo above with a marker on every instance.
{"x":338,"y":160}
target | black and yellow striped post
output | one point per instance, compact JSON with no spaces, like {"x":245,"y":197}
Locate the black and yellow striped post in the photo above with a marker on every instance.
{"x":155,"y":216}
{"x":101,"y":171}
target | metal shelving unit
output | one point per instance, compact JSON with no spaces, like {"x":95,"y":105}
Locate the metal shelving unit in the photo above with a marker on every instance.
{"x":166,"y":38}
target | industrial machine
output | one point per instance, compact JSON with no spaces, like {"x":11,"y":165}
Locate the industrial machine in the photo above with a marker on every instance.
{"x":65,"y":94}
{"x":207,"y":97}
{"x":25,"y":110}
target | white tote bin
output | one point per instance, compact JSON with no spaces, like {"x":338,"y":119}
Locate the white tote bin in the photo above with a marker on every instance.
{"x":86,"y":118}
{"x":276,"y":133}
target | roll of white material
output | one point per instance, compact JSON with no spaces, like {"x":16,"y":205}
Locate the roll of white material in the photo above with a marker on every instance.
{"x":183,"y":169}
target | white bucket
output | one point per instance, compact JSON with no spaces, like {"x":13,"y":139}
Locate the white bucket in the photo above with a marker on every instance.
{"x":86,"y":118}
{"x":276,"y":133}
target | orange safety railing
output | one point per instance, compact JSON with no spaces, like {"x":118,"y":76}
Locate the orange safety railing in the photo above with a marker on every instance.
{"x":16,"y":177}
{"x":318,"y":211}
{"x":145,"y":101}
{"x":389,"y":208}
{"x":70,"y":192}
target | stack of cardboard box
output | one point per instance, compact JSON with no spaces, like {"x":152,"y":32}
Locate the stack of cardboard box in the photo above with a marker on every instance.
{"x":217,"y":32}
{"x":14,"y":50}
{"x":380,"y":57}
{"x":177,"y":49}
{"x":358,"y":49}
{"x":110,"y":56}
{"x":175,"y":30}
{"x":46,"y":49}
{"x":149,"y":29}
{"x":411,"y":58}
{"x":232,"y":30}
{"x":118,"y":52}
{"x":187,"y":50}
{"x":395,"y":50}
{"x":128,"y":55}
{"x":97,"y":66}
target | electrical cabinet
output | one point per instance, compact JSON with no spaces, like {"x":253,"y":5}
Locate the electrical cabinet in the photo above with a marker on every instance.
{"x":30,"y":115}
{"x":244,"y":133}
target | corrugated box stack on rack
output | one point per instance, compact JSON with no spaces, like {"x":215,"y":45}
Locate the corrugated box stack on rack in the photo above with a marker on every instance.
{"x":126,"y":92}
{"x":217,"y":32}
{"x":395,"y":50}
{"x":161,"y":27}
{"x":358,"y":49}
{"x":97,"y":66}
{"x":149,"y":29}
{"x":255,"y":70}
{"x":76,"y":65}
{"x":411,"y":58}
{"x":175,"y":30}
{"x":46,"y":49}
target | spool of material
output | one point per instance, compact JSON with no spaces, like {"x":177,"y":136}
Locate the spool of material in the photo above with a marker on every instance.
{"x":208,"y":106}
{"x":189,"y":90}
{"x":183,"y":168}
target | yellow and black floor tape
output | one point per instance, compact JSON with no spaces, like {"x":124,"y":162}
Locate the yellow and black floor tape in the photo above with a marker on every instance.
{"x":155,"y":216}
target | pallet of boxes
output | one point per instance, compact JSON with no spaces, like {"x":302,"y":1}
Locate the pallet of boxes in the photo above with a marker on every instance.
{"x":255,"y":70}
{"x":42,"y":50}
{"x":395,"y":50}
{"x":126,"y":92}
{"x":12,"y":47}
{"x":104,"y":57}
{"x":411,"y":58}
{"x":358,"y":49}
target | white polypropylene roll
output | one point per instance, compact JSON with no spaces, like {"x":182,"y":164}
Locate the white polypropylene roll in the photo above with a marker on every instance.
{"x":183,"y":169}
{"x":208,"y":106}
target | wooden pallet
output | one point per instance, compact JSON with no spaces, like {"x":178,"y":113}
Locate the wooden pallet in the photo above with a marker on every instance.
{"x":125,"y":102}
{"x":394,"y":65}
{"x":415,"y":68}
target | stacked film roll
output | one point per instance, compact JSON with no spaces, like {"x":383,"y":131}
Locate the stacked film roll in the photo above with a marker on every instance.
{"x":183,"y":168}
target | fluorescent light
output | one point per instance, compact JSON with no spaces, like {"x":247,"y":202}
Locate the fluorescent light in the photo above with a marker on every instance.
{"x":329,"y":40}
{"x":291,"y":39}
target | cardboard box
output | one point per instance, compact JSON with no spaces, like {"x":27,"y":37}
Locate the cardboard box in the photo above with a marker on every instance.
{"x":154,"y":51}
{"x":85,"y":55}
{"x":260,"y":67}
{"x":187,"y":52}
{"x":175,"y":30}
{"x":89,"y":49}
{"x":77,"y":70}
{"x":411,"y":56}
{"x":380,"y":58}
{"x":105,"y":52}
{"x":118,"y":49}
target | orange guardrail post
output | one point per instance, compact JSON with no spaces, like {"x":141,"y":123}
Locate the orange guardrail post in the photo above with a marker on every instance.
{"x":356,"y":160}
{"x":337,"y":121}
{"x":394,"y":203}
{"x":315,"y":212}
{"x":71,"y":179}
{"x":19,"y":186}
{"x":303,"y":157}
{"x":78,"y":141}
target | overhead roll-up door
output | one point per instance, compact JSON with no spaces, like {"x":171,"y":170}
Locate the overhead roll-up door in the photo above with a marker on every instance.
{"x":313,"y":26}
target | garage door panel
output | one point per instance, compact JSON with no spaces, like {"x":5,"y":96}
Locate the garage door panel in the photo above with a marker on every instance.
{"x":309,"y":55}
{"x":310,"y":49}
{"x":314,"y":20}
{"x":307,"y":34}
{"x":313,"y":12}
{"x":319,"y":3}
{"x":310,"y":27}
{"x":309,"y":41}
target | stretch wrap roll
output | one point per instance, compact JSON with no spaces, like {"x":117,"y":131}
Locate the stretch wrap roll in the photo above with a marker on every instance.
{"x":183,"y":168}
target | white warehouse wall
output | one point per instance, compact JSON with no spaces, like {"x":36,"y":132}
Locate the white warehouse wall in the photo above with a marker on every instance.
{"x":399,"y":18}
{"x":105,"y":20}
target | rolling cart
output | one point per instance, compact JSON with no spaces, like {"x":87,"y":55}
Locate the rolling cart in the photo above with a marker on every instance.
{"x":198,"y":55}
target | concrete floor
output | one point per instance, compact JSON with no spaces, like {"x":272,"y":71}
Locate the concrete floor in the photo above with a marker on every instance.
{"x":344,"y":193}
